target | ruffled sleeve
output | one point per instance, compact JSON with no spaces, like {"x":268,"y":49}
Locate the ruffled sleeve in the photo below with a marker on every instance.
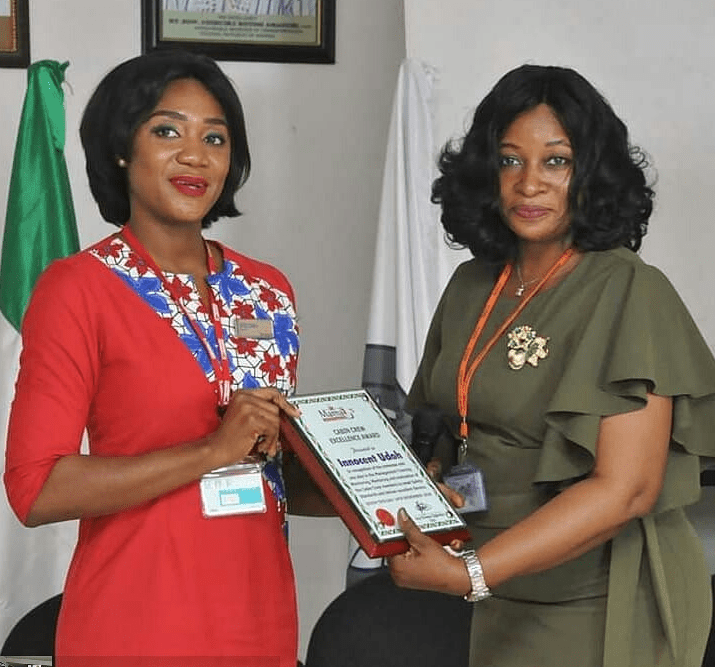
{"x":639,"y":338}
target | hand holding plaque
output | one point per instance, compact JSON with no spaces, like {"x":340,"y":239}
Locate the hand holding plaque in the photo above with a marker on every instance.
{"x":367,"y":472}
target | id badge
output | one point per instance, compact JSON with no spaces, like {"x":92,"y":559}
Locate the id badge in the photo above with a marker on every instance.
{"x":468,"y":480}
{"x":235,"y":489}
{"x":259,"y":329}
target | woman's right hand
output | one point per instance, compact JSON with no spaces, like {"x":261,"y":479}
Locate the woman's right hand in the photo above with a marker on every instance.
{"x":434,"y":470}
{"x":426,"y":565}
{"x":251,"y":423}
{"x":84,"y":486}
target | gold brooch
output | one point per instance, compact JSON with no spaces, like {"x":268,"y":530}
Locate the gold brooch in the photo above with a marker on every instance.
{"x":525,"y":347}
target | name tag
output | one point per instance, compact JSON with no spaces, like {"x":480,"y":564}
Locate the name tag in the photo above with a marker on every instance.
{"x":236,"y":489}
{"x":253,"y":328}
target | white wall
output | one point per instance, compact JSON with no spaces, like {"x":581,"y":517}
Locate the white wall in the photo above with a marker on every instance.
{"x":318,"y":135}
{"x":653,"y":60}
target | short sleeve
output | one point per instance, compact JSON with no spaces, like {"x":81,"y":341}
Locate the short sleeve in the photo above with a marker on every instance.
{"x":638,"y":338}
{"x":58,"y":370}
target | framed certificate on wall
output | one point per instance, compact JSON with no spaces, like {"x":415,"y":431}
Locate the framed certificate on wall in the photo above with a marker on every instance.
{"x":289,"y":31}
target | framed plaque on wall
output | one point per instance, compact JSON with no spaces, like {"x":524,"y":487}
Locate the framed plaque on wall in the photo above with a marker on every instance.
{"x":288,"y":31}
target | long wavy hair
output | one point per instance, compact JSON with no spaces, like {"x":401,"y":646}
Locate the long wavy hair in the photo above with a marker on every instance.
{"x":610,"y":201}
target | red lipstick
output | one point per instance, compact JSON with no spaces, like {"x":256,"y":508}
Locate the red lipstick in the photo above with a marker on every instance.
{"x":193,"y":186}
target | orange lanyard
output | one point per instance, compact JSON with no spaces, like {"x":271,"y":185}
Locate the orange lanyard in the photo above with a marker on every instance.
{"x":220,"y":364}
{"x":466,"y":370}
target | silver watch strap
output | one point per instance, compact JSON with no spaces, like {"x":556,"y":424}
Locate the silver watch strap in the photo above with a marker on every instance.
{"x":480,"y":590}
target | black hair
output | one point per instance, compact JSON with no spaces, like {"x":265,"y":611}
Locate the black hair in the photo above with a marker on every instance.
{"x":609,"y":200}
{"x":125,"y":98}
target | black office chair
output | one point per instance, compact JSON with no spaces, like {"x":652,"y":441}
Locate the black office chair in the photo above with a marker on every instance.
{"x":375,"y":622}
{"x":34,"y":633}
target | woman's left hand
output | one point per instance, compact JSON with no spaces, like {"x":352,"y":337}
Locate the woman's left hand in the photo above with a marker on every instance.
{"x":426,"y":565}
{"x":434,"y":470}
{"x":456,"y":499}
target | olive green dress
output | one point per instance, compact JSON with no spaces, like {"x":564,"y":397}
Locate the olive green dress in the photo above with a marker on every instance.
{"x":611,"y":331}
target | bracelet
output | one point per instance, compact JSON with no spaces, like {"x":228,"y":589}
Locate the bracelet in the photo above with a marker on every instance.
{"x":480,"y":590}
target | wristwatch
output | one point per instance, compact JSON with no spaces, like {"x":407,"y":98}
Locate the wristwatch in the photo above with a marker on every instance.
{"x":480,"y":590}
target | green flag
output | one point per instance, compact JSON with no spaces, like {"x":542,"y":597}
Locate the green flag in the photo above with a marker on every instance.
{"x":40,"y":221}
{"x":39,"y":227}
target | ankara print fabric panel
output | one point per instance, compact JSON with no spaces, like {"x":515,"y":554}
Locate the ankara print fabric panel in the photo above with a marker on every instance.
{"x":254,"y":362}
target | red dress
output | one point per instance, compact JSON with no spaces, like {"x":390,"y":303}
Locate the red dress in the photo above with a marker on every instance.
{"x":158,"y":579}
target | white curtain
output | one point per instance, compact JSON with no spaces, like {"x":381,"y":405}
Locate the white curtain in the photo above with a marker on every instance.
{"x":412,"y":259}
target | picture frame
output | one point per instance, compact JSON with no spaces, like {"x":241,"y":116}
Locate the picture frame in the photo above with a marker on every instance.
{"x":14,"y":33}
{"x":282,"y":31}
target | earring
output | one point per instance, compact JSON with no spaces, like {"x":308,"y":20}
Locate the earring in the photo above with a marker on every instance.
{"x":122,"y":162}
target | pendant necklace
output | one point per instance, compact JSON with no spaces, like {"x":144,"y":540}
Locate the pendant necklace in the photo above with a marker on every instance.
{"x":522,"y":285}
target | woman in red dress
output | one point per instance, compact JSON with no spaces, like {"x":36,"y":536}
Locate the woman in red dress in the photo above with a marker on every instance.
{"x":176,"y":355}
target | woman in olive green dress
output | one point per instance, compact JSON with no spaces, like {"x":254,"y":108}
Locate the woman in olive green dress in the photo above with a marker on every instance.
{"x":574,"y":378}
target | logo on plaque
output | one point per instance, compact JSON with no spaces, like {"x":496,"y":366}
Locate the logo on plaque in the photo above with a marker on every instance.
{"x":332,"y":414}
